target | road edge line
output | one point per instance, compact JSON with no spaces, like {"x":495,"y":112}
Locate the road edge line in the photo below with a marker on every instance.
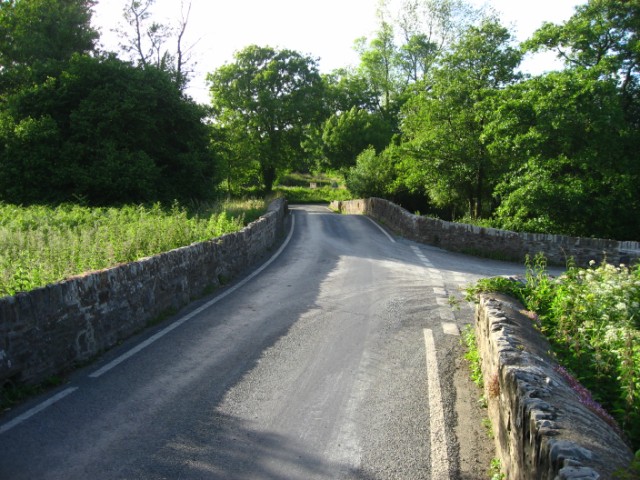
{"x":37,"y":409}
{"x":117,"y":361}
{"x":440,"y":465}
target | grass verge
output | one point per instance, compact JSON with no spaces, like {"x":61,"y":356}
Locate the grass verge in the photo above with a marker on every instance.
{"x":41,"y":244}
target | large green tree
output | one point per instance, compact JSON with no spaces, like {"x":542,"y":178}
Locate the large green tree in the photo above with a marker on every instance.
{"x":571,"y":137}
{"x":443,"y":125}
{"x":107,"y":132}
{"x":38,"y":37}
{"x":268,"y":97}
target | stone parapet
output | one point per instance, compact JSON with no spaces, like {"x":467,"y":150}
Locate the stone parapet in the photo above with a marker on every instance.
{"x":491,"y":242}
{"x":49,"y":330}
{"x":544,"y":429}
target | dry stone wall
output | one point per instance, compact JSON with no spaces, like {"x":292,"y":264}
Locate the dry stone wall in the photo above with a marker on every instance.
{"x":491,"y":242}
{"x":544,"y":430}
{"x":51,"y":329}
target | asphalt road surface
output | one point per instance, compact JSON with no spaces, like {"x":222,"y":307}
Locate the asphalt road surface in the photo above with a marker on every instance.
{"x":339,"y":359}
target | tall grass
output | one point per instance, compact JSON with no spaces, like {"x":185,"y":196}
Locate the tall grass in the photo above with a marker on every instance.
{"x":41,"y":245}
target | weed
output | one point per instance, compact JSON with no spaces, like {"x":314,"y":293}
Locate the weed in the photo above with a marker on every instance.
{"x":486,"y":423}
{"x":495,"y":470}
{"x":454,"y":302}
{"x":473,"y":355}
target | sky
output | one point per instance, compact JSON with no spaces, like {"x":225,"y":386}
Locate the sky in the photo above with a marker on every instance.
{"x":325,"y":29}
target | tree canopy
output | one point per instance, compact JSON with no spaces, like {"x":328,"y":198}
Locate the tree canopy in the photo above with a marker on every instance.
{"x":270,"y":96}
{"x":37,"y":37}
{"x":553,"y":153}
{"x":435,"y":116}
{"x":78,"y":125}
{"x":100,"y":131}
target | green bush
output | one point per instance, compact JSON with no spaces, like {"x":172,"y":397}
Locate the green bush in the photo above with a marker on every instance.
{"x":313,"y":195}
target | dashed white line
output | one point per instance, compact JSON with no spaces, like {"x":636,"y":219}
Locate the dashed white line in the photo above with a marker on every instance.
{"x":446,"y":314}
{"x":450,"y":329}
{"x":38,"y":408}
{"x":439,"y":454}
{"x":425,"y":261}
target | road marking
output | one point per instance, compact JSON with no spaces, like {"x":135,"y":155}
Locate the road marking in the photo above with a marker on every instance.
{"x":197,"y":311}
{"x":439,"y":454}
{"x":439,"y":291}
{"x":442,"y":301}
{"x":425,"y":261}
{"x":450,"y":329}
{"x":38,"y":408}
{"x":446,"y":314}
{"x":393,"y":240}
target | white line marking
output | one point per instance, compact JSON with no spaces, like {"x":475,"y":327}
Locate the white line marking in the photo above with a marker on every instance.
{"x":197,"y":311}
{"x":439,"y":453}
{"x":446,"y":314}
{"x":450,"y":329}
{"x":381,"y":229}
{"x":38,"y":408}
{"x":439,"y":291}
{"x":425,"y":261}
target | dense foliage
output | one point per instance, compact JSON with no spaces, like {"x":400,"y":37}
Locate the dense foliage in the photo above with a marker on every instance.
{"x":78,"y":125}
{"x":592,"y":319}
{"x":555,"y":153}
{"x":41,"y":245}
{"x":106,"y":132}
{"x":436,"y":116}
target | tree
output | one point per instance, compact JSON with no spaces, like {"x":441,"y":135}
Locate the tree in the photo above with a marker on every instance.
{"x":38,"y":37}
{"x":107,"y":132}
{"x":429,"y":28}
{"x":443,"y":125}
{"x":570,"y":138}
{"x":372,"y":175}
{"x":270,"y":95}
{"x":571,"y":156}
{"x":145,"y":40}
{"x":347,"y":134}
{"x":346,"y":88}
{"x":602,"y":35}
{"x":378,"y":64}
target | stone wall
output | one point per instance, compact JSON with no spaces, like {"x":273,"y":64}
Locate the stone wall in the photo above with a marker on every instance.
{"x":543,"y":429}
{"x":50,"y":330}
{"x":491,"y":242}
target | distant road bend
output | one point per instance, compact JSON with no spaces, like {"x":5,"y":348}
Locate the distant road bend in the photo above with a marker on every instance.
{"x":339,"y":359}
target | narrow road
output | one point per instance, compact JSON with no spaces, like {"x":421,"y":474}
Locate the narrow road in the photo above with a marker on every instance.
{"x":338,"y":360}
